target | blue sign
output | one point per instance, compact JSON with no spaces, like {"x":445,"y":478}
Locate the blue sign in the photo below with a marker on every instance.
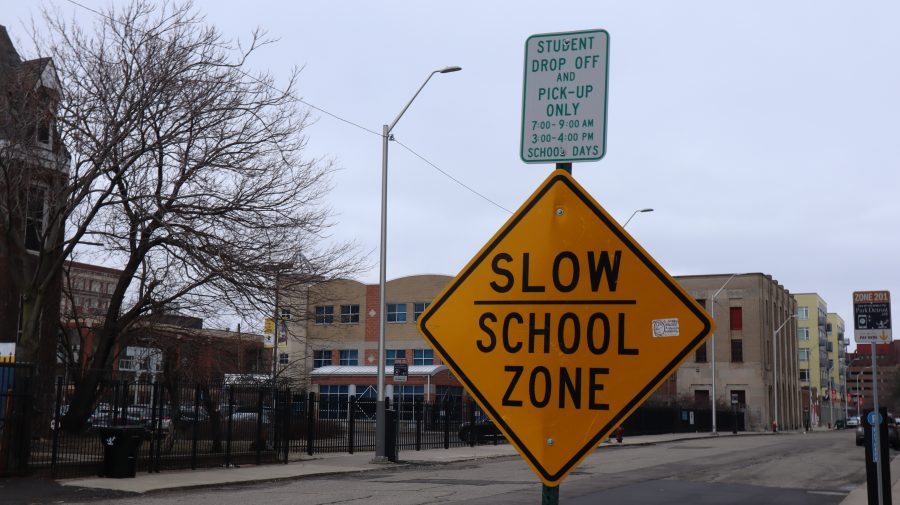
{"x":873,"y":420}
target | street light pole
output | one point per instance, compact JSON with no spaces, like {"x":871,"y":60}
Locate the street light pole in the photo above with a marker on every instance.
{"x":635,"y":213}
{"x":775,"y":365}
{"x":712,"y":340}
{"x":380,"y":414}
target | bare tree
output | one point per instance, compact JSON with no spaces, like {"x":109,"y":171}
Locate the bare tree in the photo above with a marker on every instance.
{"x":186,"y":172}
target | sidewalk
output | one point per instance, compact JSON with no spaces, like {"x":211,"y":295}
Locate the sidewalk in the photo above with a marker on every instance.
{"x":323,"y":464}
{"x":859,"y":496}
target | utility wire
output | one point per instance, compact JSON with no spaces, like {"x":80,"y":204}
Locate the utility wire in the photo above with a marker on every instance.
{"x":335,"y":116}
{"x":404,"y":146}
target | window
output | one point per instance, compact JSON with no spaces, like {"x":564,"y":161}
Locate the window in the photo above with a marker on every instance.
{"x":283,"y":358}
{"x":804,"y":354}
{"x":393,"y":354}
{"x":804,"y":375}
{"x":803,"y":333}
{"x":396,"y":312}
{"x":803,"y":313}
{"x":324,"y":314}
{"x":350,"y":314}
{"x":333,"y":401}
{"x":423,"y":357}
{"x":828,"y":329}
{"x":418,"y":308}
{"x":34,"y":218}
{"x":448,"y":393}
{"x":700,"y":355}
{"x":321,"y":358}
{"x":286,"y":314}
{"x":737,"y":351}
{"x":366,"y":392}
{"x":701,"y":398}
{"x":43,"y":132}
{"x":349,"y":357}
{"x":736,"y":316}
{"x":405,"y":397}
{"x":740,"y":395}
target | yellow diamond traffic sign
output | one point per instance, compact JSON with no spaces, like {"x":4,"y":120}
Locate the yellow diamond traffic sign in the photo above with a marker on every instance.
{"x":561,"y":326}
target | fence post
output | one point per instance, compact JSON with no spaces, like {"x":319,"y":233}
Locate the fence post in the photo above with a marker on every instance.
{"x":310,"y":423}
{"x":154,"y":428}
{"x":194,"y":434}
{"x":417,"y":416}
{"x":55,"y":451}
{"x":286,"y":414}
{"x":471,"y":418}
{"x":351,"y":422}
{"x":446,"y":411}
{"x":259,"y":417}
{"x":230,"y":422}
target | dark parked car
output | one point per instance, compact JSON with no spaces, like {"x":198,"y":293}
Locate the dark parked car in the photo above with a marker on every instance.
{"x":482,"y":431}
{"x":893,"y":433}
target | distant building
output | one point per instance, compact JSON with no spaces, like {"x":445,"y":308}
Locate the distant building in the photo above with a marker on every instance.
{"x":748,"y":309}
{"x":822,"y":356}
{"x":860,"y":379}
{"x":332,"y":341}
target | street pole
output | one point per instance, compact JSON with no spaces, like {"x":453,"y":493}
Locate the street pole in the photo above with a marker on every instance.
{"x":632,"y":214}
{"x":712,"y":340}
{"x":380,"y":411}
{"x":275,"y":321}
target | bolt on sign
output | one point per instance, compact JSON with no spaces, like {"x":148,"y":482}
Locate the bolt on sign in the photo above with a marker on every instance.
{"x":561,"y":326}
{"x":872,"y":317}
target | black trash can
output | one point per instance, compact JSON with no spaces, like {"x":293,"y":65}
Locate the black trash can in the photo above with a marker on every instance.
{"x":390,"y":432}
{"x":120,"y":447}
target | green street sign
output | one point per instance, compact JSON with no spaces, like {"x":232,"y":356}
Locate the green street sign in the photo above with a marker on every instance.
{"x":564,"y":97}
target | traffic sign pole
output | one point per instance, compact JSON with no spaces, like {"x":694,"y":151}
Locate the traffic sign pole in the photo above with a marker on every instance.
{"x":876,"y":430}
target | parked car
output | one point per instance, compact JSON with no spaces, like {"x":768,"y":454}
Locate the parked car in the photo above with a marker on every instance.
{"x":482,"y":431}
{"x":893,"y":430}
{"x":852,"y":421}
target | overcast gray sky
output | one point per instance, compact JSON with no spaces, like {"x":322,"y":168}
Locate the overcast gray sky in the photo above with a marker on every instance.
{"x":764,"y":134}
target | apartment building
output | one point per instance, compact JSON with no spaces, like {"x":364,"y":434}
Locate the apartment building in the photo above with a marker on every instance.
{"x":823,"y":349}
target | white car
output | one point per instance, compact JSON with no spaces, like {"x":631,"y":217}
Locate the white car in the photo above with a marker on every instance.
{"x":852,"y":421}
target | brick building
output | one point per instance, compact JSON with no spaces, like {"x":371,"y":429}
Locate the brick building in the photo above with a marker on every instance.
{"x":332,"y":344}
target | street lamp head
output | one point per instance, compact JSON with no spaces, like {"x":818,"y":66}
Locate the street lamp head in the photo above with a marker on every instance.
{"x":646,"y":210}
{"x":447,"y":70}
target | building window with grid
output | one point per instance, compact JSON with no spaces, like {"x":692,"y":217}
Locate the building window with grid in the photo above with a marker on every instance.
{"x":350,"y":314}
{"x":737,"y":351}
{"x":333,"y":401}
{"x":321,"y":358}
{"x":324,"y":314}
{"x":804,"y":375}
{"x":396,"y":312}
{"x":803,"y":333}
{"x":349,"y":357}
{"x":391,"y":355}
{"x":283,"y":358}
{"x":803,"y":313}
{"x":418,"y":308}
{"x":700,"y":355}
{"x":285,"y":314}
{"x":804,"y":354}
{"x":423,"y":357}
{"x":736,"y":318}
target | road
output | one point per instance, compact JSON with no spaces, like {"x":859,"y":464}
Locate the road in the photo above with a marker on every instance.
{"x":818,"y":468}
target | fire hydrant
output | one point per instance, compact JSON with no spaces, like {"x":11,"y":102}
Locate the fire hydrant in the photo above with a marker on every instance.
{"x":620,"y":432}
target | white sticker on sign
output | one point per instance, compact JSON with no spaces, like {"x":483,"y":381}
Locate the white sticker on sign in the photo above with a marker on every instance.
{"x":665,"y":327}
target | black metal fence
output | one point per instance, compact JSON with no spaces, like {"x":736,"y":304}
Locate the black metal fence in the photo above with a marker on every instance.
{"x":205,"y":425}
{"x":224,"y":425}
